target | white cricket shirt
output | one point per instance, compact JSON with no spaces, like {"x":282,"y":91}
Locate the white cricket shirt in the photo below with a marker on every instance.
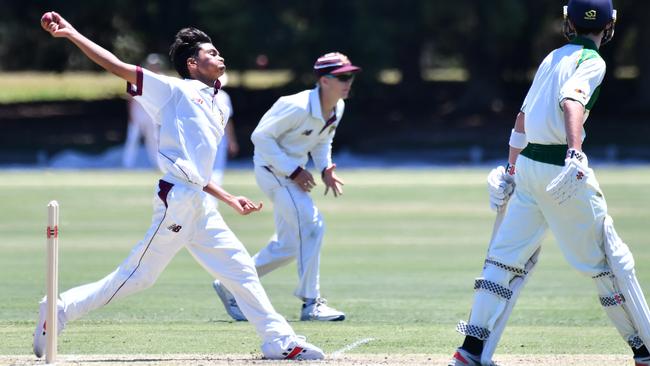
{"x":575,"y":72}
{"x":191,"y":122}
{"x":294,"y":128}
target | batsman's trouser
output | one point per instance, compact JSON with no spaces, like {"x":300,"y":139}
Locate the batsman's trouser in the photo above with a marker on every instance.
{"x":184,"y":217}
{"x":577,"y":226}
{"x":299,"y":232}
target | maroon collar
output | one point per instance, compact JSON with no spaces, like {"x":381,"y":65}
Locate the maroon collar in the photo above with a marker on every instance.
{"x":217,"y":86}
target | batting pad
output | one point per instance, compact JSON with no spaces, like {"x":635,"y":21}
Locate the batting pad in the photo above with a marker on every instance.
{"x":566,"y":185}
{"x":621,"y":263}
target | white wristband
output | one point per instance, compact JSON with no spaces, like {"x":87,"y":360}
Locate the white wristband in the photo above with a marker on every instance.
{"x":518,"y":140}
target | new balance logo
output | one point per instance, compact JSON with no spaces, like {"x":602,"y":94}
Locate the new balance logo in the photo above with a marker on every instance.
{"x":175,"y":228}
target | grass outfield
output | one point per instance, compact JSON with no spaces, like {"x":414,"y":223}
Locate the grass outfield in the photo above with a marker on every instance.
{"x":402,"y":249}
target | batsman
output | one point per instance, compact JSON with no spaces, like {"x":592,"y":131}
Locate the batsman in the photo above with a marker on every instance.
{"x":547,"y":184}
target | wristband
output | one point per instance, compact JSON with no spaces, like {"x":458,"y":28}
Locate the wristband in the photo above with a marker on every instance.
{"x":518,"y":140}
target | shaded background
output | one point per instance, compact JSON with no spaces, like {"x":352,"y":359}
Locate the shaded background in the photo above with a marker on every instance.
{"x":442,"y":80}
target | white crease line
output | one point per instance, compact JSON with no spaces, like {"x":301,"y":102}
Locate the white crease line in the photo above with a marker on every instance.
{"x":351,"y":346}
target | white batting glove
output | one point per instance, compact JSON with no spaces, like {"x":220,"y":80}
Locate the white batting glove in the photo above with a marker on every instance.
{"x":501,"y":185}
{"x":572,"y":178}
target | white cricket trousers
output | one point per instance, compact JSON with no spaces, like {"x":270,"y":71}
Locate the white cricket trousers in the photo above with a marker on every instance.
{"x":184,"y":217}
{"x":576,"y":224}
{"x":299,"y":232}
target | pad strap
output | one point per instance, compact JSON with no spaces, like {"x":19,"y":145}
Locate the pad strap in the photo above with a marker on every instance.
{"x":511,"y":269}
{"x":493,"y":287}
{"x":602,"y":274}
{"x":472,"y":330}
{"x":614,"y":300}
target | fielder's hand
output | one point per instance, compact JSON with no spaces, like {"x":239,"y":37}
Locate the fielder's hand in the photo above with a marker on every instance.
{"x":572,"y":178}
{"x":501,"y":185}
{"x":54,"y":23}
{"x":304,"y":180}
{"x":332,"y":181}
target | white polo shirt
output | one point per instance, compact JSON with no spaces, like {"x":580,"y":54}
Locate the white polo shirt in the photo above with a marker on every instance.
{"x":575,"y":72}
{"x":191,"y":120}
{"x":294,"y":128}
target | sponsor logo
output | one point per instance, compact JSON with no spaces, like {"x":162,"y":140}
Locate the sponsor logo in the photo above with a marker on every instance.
{"x":590,"y":15}
{"x":198,"y":100}
{"x":580,"y":175}
{"x":175,"y":228}
{"x":307,"y":132}
{"x":579,"y":91}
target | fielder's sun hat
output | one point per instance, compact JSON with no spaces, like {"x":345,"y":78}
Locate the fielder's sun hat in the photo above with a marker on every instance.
{"x":334,"y":63}
{"x":590,"y":14}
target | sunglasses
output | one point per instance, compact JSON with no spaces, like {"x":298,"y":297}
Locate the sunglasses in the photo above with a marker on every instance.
{"x":341,"y":77}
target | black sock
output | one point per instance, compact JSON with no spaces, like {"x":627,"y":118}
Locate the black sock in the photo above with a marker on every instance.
{"x":641,"y":352}
{"x":474,"y":345}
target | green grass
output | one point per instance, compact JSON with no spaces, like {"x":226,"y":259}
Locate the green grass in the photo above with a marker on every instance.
{"x":402,"y":249}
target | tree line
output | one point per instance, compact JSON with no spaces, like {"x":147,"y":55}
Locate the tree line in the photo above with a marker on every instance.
{"x":496,"y":42}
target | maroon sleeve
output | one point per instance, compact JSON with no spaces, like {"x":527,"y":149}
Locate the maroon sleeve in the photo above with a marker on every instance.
{"x":138,"y":87}
{"x":296,"y":172}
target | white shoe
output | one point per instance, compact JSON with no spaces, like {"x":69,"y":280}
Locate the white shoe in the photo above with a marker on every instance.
{"x":229,"y":301}
{"x":41,"y":327}
{"x":464,"y":358}
{"x":319,"y":310}
{"x":291,"y":348}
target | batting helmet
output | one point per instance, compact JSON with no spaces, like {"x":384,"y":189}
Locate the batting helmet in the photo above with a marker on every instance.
{"x":590,"y":15}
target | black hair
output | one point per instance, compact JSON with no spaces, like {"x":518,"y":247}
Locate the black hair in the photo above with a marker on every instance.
{"x":186,"y":44}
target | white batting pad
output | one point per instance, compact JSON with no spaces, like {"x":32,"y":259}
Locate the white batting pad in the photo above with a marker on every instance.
{"x":516,"y":285}
{"x":621,"y":263}
{"x":569,"y":182}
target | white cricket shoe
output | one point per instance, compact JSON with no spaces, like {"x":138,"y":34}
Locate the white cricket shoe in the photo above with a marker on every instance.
{"x":41,"y":327}
{"x":319,"y":310}
{"x":464,"y":358}
{"x":642,"y":361}
{"x":229,"y":301}
{"x":291,"y":348}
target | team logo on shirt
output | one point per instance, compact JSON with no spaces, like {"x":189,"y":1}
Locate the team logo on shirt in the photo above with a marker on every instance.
{"x":175,"y":228}
{"x":307,"y":132}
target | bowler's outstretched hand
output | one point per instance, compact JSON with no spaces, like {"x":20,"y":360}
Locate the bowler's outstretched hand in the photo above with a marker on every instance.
{"x":245,"y":206}
{"x":54,"y":23}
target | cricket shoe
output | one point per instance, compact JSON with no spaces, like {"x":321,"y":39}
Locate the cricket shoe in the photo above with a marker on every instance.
{"x":41,"y":327}
{"x":228,"y":301}
{"x":291,"y":348}
{"x":464,"y":358}
{"x":642,"y":361}
{"x":318,"y":310}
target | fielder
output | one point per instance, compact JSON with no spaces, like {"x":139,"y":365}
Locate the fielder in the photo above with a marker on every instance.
{"x":296,"y":127}
{"x":191,"y":125}
{"x":556,"y":190}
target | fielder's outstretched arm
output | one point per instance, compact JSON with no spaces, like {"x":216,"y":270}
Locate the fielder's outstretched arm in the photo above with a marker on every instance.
{"x":61,"y":28}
